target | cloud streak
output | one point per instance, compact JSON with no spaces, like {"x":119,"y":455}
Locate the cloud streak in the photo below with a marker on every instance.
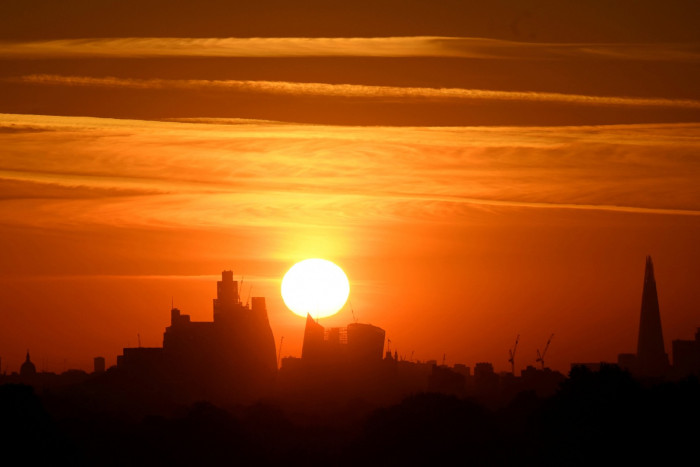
{"x":287,"y":88}
{"x":411,"y":46}
{"x":168,"y":175}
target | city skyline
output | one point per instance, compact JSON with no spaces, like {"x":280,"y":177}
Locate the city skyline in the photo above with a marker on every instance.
{"x":479,"y":170}
{"x":650,"y":360}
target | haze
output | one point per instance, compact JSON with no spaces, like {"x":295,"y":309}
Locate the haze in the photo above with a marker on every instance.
{"x":479,"y":172}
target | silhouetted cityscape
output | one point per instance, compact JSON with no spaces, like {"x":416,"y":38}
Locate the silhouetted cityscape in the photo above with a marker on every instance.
{"x":210,"y":373}
{"x":349,"y":233}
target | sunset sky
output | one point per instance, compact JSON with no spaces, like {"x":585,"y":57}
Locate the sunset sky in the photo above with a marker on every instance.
{"x":479,"y":170}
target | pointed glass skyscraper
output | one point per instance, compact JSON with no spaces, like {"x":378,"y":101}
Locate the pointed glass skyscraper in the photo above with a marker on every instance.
{"x":652,"y":359}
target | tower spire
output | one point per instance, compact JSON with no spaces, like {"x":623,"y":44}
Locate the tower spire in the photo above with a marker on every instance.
{"x":652,"y":359}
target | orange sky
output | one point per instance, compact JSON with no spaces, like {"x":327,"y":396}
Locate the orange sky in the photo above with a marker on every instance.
{"x":473,"y":185}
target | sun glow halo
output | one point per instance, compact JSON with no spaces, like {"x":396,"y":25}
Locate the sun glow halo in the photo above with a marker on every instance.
{"x":315,"y":286}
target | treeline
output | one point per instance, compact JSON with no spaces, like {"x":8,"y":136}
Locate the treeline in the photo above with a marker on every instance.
{"x":595,"y":418}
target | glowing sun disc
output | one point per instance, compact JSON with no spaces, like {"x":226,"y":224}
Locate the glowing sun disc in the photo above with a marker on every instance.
{"x":315,"y":286}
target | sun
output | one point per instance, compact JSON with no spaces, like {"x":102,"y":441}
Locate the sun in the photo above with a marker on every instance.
{"x":315,"y":286}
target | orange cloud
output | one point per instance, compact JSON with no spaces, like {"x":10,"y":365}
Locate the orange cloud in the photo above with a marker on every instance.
{"x":410,"y":46}
{"x":169,"y":175}
{"x":359,"y":91}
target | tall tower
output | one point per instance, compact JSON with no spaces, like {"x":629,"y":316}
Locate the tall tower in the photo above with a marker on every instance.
{"x":227,"y":299}
{"x":652,"y":359}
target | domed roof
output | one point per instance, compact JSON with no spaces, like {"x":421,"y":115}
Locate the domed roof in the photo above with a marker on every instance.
{"x":27,"y":368}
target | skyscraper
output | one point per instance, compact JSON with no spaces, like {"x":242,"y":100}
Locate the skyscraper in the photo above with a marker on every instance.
{"x":229,"y":359}
{"x":652,"y":359}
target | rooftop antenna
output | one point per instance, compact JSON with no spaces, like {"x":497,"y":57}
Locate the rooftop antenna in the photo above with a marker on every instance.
{"x":411,"y":359}
{"x":279,"y":353}
{"x":250,"y":292}
{"x":511,"y":352}
{"x":138,"y":336}
{"x":540,"y":357}
{"x":443,"y":359}
{"x":353,"y":311}
{"x":388,"y":345}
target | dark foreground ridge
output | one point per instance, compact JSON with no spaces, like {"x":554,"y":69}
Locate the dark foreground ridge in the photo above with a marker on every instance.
{"x":594,"y":417}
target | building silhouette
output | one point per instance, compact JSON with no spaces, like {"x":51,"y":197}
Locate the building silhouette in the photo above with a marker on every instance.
{"x":485,"y":379}
{"x":446,"y":380}
{"x":686,"y":356}
{"x":27,"y":369}
{"x":358,"y":344}
{"x":229,"y":359}
{"x":142,"y":360}
{"x":338,"y":364}
{"x":651,"y":359}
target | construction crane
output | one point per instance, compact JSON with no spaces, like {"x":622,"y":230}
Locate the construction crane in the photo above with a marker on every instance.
{"x":511,"y":352}
{"x":540,"y":357}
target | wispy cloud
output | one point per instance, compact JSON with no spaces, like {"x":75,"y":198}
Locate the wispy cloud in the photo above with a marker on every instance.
{"x":413,"y":46}
{"x":357,"y":91}
{"x":174,"y":175}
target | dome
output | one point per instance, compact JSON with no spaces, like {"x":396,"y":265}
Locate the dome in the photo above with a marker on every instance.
{"x":27,"y":368}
